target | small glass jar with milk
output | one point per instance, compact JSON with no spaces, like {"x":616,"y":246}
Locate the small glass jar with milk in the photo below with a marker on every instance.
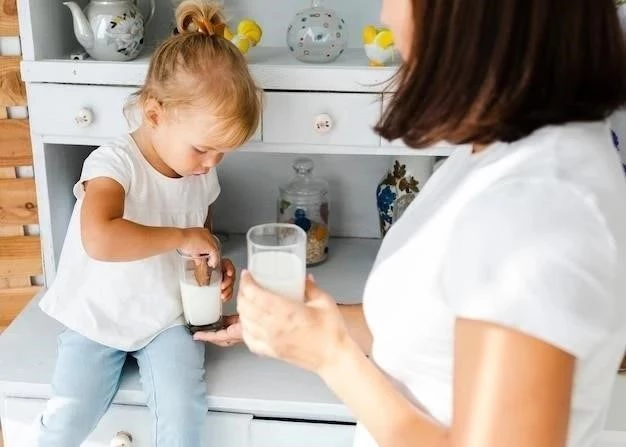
{"x":304,"y":201}
{"x":200,"y":279}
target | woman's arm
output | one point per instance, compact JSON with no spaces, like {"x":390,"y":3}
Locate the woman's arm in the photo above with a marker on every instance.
{"x":357,"y":326}
{"x":107,"y":236}
{"x":509,"y":390}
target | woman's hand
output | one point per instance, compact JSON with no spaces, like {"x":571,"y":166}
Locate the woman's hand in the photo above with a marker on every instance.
{"x":229,"y":336}
{"x":228,"y":279}
{"x":309,"y":335}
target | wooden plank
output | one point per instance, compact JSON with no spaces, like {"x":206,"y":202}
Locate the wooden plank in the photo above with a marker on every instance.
{"x":18,"y":201}
{"x":12,"y":301}
{"x":12,"y":89}
{"x":3,"y":115}
{"x":15,"y":144}
{"x":12,"y":230}
{"x":20,"y":256}
{"x":8,"y":18}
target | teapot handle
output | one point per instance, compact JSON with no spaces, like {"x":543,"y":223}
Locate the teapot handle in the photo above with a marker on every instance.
{"x":150,"y":15}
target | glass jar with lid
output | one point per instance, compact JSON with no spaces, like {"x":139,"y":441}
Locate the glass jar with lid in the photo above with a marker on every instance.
{"x":304,"y":201}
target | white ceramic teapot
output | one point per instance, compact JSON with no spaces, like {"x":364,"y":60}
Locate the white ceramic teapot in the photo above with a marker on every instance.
{"x":110,"y":30}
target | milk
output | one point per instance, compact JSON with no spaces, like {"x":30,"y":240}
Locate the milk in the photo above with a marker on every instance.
{"x":202,"y":305}
{"x":280,"y":272}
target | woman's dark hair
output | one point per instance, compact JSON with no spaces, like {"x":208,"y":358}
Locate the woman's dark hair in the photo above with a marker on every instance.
{"x":488,"y":70}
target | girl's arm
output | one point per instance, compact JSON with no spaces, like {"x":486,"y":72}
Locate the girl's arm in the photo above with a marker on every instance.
{"x":107,"y":236}
{"x":509,"y":390}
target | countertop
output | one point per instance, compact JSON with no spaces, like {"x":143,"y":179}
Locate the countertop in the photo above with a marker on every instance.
{"x":238,"y":381}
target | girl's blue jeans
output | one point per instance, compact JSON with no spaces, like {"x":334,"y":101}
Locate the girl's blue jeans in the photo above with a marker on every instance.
{"x":87,"y":376}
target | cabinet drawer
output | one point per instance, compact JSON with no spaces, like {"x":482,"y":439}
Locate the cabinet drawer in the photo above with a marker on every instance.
{"x":57,"y":110}
{"x":344,"y":119}
{"x":268,"y":433}
{"x":82,"y":111}
{"x":232,"y":430}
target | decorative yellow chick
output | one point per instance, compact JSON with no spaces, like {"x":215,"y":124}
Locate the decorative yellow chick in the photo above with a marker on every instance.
{"x":248,"y":35}
{"x":379,"y":46}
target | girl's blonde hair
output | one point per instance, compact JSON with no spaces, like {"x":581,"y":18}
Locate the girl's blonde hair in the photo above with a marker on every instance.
{"x":198,"y":67}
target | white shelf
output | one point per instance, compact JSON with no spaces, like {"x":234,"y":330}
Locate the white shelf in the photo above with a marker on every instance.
{"x":438,"y":150}
{"x":273,"y":68}
{"x":238,"y":381}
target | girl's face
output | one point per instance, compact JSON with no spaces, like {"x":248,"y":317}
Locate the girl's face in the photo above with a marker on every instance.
{"x":398,"y":16}
{"x":184,"y":144}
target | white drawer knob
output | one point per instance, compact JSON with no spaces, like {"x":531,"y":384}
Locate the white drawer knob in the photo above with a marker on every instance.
{"x":122,"y":439}
{"x":84,"y":118}
{"x":323,"y":123}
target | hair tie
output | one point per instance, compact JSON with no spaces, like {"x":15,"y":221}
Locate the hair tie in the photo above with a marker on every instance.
{"x":206,"y":27}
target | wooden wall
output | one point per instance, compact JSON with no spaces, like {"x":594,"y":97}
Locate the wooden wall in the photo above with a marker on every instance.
{"x":20,"y":252}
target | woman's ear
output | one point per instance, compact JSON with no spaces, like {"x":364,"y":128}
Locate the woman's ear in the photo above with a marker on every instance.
{"x":152,"y":112}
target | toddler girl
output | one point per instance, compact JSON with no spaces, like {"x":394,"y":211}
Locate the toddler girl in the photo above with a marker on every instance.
{"x":138,"y":200}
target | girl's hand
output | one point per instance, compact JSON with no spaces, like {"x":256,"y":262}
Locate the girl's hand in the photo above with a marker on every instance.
{"x":309,"y":335}
{"x":228,"y":279}
{"x":200,"y":241}
{"x":229,"y":336}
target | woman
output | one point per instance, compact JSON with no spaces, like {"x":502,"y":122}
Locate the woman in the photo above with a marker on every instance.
{"x":495,"y":313}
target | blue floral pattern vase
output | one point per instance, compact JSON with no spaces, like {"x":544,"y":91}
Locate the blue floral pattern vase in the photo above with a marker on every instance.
{"x":399,"y":187}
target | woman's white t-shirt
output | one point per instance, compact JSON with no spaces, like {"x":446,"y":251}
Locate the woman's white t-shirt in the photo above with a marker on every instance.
{"x":124,"y":305}
{"x":529,"y":235}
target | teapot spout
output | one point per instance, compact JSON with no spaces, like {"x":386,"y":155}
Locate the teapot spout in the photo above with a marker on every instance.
{"x":82,"y":28}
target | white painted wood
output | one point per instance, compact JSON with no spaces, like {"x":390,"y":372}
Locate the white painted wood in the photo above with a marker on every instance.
{"x":54,"y":110}
{"x":271,"y":433}
{"x":10,"y":46}
{"x":17,"y":112}
{"x":232,"y":430}
{"x":272,"y":67}
{"x":440,"y":150}
{"x":238,"y":381}
{"x":46,"y":29}
{"x":291,"y":118}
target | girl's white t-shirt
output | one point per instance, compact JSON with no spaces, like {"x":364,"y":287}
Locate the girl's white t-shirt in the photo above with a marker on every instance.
{"x":124,"y":305}
{"x":529,"y":235}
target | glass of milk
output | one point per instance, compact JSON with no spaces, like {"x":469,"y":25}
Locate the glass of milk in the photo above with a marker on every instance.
{"x":277,"y":258}
{"x":200,"y":290}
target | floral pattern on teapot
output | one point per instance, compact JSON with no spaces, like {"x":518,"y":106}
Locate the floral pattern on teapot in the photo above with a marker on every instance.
{"x":126,"y":33}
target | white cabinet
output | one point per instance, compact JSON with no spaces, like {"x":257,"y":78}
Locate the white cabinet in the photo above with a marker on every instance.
{"x":232,"y":430}
{"x":321,"y":118}
{"x":268,"y":433}
{"x":78,"y":110}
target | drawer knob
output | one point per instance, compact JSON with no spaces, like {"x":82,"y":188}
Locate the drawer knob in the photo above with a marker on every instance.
{"x":84,"y":118}
{"x":323,"y":123}
{"x":122,"y":439}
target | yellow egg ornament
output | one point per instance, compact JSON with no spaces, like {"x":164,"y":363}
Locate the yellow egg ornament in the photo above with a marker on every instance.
{"x":379,"y":46}
{"x":248,"y":35}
